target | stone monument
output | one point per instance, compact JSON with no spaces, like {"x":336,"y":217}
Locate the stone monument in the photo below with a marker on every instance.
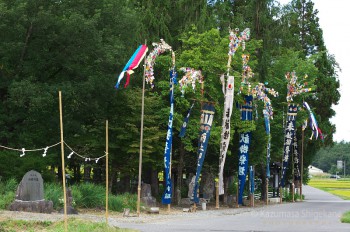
{"x":146,"y":195}
{"x":30,"y":195}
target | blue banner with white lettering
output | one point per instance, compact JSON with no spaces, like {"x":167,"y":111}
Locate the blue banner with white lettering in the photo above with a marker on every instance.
{"x":184,"y":125}
{"x":166,"y":199}
{"x":267,"y":129}
{"x":251,"y":178}
{"x":207,"y":116}
{"x":289,"y":137}
{"x":244,"y":144}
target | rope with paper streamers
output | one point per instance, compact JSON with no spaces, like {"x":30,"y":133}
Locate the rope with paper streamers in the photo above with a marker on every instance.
{"x":45,"y":149}
{"x":23,"y":150}
{"x":83,"y":157}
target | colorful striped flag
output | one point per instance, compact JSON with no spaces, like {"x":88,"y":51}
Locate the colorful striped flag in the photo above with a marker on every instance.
{"x":133,"y":63}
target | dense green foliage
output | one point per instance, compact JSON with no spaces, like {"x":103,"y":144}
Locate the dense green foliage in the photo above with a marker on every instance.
{"x":326,"y":158}
{"x":80,"y":46}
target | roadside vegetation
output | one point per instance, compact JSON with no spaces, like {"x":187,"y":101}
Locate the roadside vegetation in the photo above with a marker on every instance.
{"x":74,"y":225}
{"x":340,"y":187}
{"x":346,"y":217}
{"x":85,"y":196}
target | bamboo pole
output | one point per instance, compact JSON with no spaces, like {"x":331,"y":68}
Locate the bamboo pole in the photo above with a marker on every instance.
{"x":141,"y":139}
{"x":63,"y":165}
{"x":302,"y":164}
{"x":107,"y":192}
{"x":217,"y":195}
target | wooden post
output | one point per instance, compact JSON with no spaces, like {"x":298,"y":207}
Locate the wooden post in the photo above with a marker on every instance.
{"x":107,"y":192}
{"x":141,"y":139}
{"x":237,"y":193}
{"x":217,"y":194}
{"x":267,"y":190}
{"x":63,"y":165}
{"x":302,"y":164}
{"x":281,"y":195}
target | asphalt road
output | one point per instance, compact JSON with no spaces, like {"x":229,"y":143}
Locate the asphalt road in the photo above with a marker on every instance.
{"x":320,"y":212}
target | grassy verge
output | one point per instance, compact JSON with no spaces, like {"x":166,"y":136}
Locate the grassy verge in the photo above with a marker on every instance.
{"x":339,"y":188}
{"x":74,"y":225}
{"x":346,"y":217}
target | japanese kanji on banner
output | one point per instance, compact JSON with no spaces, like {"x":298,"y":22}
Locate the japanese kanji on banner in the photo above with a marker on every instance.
{"x":244,"y":144}
{"x":207,"y":117}
{"x":166,"y":199}
{"x":225,"y":133}
{"x":288,"y":139}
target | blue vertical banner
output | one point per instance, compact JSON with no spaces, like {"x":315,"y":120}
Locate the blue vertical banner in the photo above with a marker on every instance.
{"x":268,"y":148}
{"x":244,"y":144}
{"x":251,"y":178}
{"x":166,"y":199}
{"x":207,"y":116}
{"x":289,"y":137}
{"x":185,"y":123}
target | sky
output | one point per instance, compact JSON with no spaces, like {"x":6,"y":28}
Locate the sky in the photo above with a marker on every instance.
{"x":334,"y":18}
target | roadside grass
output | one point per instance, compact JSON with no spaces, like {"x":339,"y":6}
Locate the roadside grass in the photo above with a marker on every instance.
{"x":345,"y":217}
{"x":74,"y":225}
{"x":340,"y":187}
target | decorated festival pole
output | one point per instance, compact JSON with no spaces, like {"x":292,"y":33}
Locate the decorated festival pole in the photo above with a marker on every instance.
{"x":141,"y":140}
{"x":63,"y":165}
{"x":107,"y":192}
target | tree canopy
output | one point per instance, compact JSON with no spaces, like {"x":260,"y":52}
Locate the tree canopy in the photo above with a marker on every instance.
{"x":80,"y":47}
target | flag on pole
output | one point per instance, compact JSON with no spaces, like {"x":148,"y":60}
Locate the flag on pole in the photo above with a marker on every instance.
{"x":289,"y":138}
{"x":225,"y":133}
{"x":207,"y":117}
{"x":133,"y":63}
{"x":166,"y":199}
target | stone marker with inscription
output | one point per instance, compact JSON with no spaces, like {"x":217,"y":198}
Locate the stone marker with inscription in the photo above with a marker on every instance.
{"x":30,"y":195}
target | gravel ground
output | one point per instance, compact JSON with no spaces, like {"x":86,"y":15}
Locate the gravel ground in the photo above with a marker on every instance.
{"x":115,"y":218}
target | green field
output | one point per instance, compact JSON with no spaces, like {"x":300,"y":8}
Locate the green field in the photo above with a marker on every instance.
{"x":340,"y":187}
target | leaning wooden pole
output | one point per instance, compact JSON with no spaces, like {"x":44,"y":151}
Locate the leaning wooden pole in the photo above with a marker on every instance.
{"x":107,"y":191}
{"x":302,"y":164}
{"x":141,"y":140}
{"x":63,"y":165}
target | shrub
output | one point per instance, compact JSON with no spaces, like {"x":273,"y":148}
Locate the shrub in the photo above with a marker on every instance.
{"x":126,"y":200}
{"x":7,"y":190}
{"x":88,"y":195}
{"x":54,"y":192}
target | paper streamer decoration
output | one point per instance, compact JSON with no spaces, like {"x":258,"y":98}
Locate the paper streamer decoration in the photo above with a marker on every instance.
{"x":158,"y":49}
{"x":260,"y":93}
{"x":244,"y":144}
{"x":207,"y":116}
{"x":226,"y":126}
{"x":133,"y":63}
{"x":167,"y":196}
{"x":236,"y":41}
{"x":289,"y":137}
{"x":294,"y":87}
{"x":191,"y":77}
{"x":316,"y":131}
{"x":185,"y":123}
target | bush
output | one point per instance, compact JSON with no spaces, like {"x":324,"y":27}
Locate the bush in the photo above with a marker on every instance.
{"x":87,"y":195}
{"x":7,"y":191}
{"x":54,"y":192}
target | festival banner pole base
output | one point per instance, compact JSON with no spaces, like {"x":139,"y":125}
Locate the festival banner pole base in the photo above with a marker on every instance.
{"x":217,"y":195}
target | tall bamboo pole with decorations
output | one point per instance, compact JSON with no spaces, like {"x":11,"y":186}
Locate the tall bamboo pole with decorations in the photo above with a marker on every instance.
{"x":294,"y":88}
{"x":236,"y":40}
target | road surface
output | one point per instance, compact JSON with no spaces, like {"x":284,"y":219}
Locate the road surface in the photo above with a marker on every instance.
{"x":320,"y":211}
